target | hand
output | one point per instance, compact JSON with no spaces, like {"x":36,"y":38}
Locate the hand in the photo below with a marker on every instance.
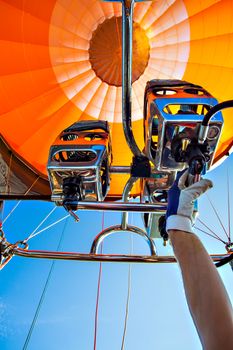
{"x":181,"y":199}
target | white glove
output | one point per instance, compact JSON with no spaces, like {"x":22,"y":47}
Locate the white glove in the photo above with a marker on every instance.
{"x":180,"y":211}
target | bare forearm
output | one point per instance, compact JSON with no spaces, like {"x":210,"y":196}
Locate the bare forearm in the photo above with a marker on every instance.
{"x":206,"y":295}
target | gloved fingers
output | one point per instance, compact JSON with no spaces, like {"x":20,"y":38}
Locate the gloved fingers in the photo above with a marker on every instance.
{"x":186,"y":207}
{"x":178,"y":176}
{"x":185,"y":180}
{"x":195,"y":190}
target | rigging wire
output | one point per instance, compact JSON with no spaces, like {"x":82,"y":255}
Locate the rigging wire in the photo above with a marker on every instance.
{"x":35,"y":232}
{"x":51,"y":225}
{"x":214,"y":235}
{"x":98,"y":291}
{"x":128,"y":296}
{"x":12,"y":210}
{"x":98,"y":296}
{"x":127,"y":307}
{"x":207,"y":233}
{"x":217,"y":215}
{"x":17,"y":204}
{"x":43,"y":294}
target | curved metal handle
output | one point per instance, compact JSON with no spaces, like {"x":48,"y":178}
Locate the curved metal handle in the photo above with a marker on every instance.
{"x":118,"y":228}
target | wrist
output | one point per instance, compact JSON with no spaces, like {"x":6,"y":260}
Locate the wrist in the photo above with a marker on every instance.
{"x":180,"y":223}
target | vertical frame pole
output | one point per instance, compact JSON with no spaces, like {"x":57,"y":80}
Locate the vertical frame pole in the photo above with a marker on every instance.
{"x":127,"y":39}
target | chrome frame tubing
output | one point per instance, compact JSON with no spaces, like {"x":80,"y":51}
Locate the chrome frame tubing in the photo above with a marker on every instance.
{"x":120,"y":206}
{"x":40,"y":254}
{"x":127,"y":35}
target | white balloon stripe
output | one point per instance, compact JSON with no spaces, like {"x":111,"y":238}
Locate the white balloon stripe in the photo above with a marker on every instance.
{"x":94,"y":108}
{"x":107,"y":8}
{"x":174,"y":35}
{"x":74,"y":86}
{"x":156,"y":10}
{"x":85,"y":95}
{"x":107,"y":112}
{"x":118,"y":106}
{"x":140,"y":10}
{"x":175,"y":14}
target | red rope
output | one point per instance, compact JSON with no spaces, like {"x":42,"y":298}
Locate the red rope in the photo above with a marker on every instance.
{"x":98,"y":293}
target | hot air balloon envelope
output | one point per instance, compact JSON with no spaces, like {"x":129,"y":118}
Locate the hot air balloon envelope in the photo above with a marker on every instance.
{"x":61,"y":63}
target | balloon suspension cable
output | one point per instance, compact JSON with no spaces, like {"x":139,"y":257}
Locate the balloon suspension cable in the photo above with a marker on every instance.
{"x":17,"y":204}
{"x":229,"y":248}
{"x":7,"y":249}
{"x":11,"y":212}
{"x":43,"y":294}
{"x":219,"y":219}
{"x":49,"y":226}
{"x":98,"y":291}
{"x":229,"y":243}
{"x":212,"y":234}
{"x":127,"y":306}
{"x":35,"y":232}
{"x":128,"y":296}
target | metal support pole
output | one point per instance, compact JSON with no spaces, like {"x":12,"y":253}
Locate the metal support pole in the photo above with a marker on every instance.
{"x":127,"y":39}
{"x":40,"y":254}
{"x":120,"y":206}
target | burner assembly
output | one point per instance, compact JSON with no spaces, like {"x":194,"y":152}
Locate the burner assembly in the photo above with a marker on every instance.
{"x":79,"y":161}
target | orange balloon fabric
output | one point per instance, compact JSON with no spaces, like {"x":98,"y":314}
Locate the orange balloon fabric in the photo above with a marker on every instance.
{"x":61,"y":62}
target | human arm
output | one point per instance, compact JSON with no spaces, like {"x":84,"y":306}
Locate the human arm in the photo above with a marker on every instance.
{"x":205,"y":293}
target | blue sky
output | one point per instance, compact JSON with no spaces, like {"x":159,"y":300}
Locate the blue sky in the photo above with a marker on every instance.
{"x":158,"y":315}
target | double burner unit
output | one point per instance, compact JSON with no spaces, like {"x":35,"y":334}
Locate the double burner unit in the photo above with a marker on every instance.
{"x":80,"y":159}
